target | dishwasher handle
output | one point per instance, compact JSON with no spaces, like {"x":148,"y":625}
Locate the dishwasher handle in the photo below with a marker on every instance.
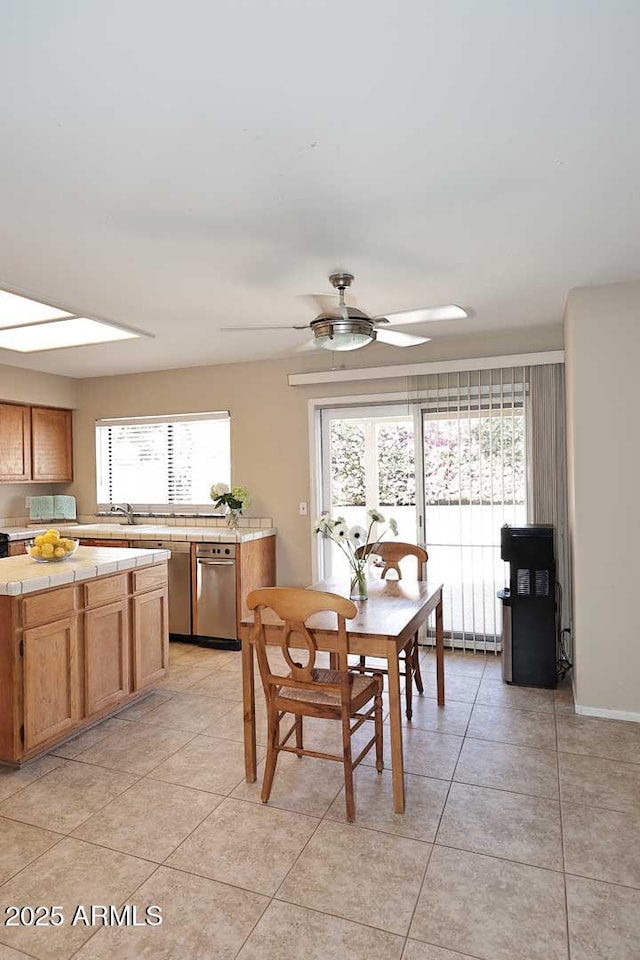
{"x":216,"y":563}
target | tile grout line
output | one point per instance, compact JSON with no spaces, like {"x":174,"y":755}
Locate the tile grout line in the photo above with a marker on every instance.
{"x":465,"y":738}
{"x":564,"y":873}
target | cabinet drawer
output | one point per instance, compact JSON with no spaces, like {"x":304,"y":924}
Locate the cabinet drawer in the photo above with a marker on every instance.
{"x":46,"y":607}
{"x":150,"y":577}
{"x":105,"y":591}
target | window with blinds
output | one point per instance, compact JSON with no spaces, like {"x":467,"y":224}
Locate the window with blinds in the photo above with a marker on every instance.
{"x":162,"y":460}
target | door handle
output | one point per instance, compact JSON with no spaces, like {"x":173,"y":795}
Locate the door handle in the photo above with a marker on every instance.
{"x":216,"y":563}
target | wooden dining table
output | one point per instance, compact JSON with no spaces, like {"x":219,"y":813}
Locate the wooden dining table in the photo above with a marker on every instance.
{"x":384,"y":627}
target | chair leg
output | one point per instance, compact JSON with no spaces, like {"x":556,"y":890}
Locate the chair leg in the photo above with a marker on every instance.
{"x":348,"y":767}
{"x":416,"y":666}
{"x":377,"y":704}
{"x":299,"y":734}
{"x":272,"y":753}
{"x":363,"y":664}
{"x":408,"y":677}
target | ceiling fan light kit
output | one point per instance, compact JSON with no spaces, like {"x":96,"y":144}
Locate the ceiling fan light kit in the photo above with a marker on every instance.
{"x":350,"y":334}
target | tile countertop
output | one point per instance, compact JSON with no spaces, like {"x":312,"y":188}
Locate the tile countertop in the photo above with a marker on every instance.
{"x":21,"y":574}
{"x":144,"y":531}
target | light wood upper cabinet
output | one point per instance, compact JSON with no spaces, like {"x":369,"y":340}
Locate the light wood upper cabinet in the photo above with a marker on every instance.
{"x":52,"y":458}
{"x":35,"y":444}
{"x":15,"y":442}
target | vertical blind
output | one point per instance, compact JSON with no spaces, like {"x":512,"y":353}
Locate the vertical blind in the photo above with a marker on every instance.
{"x":548,"y":495}
{"x":475,"y":480}
{"x":162,"y":460}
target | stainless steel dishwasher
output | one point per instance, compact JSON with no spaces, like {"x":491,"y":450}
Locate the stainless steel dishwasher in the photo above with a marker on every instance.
{"x":179,"y":584}
{"x":215,"y":622}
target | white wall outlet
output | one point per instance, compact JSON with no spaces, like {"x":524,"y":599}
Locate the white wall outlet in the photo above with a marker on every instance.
{"x":303,"y":508}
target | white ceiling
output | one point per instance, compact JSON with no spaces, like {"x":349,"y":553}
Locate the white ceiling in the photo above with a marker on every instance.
{"x":178,"y":167}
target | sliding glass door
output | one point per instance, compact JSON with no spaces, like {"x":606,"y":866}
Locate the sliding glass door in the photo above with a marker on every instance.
{"x":451,"y":467}
{"x":369,"y":463}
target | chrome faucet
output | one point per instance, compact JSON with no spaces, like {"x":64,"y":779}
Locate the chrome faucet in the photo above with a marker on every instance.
{"x":126,"y":509}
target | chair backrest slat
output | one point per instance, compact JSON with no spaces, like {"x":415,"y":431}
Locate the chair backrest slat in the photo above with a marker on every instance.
{"x":393,"y":553}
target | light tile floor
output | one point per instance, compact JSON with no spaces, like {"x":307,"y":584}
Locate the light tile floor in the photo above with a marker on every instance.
{"x":521,"y":839}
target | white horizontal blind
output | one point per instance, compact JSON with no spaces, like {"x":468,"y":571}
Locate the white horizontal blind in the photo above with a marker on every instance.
{"x":162,"y":460}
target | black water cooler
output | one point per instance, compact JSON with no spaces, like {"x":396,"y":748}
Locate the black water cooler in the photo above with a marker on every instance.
{"x":529,"y":606}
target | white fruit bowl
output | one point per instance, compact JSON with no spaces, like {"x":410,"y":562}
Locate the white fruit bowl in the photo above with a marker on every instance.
{"x":68,"y":552}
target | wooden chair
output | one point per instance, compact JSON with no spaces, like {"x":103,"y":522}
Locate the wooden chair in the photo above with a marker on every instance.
{"x":391,"y":553}
{"x":310,"y":691}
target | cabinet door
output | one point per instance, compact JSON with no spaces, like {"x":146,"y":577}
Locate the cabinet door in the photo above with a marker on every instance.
{"x":51,"y":681}
{"x":15,"y":442}
{"x":150,"y":638}
{"x":106,"y":657}
{"x":51,"y":444}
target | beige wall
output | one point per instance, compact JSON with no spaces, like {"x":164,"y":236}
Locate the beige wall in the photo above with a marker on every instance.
{"x":269,"y":425}
{"x":602,"y":351}
{"x":29,"y":386}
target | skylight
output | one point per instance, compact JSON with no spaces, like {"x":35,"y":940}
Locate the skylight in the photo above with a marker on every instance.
{"x":29,"y":326}
{"x":15,"y":310}
{"x":56,"y":334}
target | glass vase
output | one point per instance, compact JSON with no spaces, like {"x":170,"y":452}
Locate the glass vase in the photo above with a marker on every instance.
{"x":233,"y":518}
{"x":358,"y":589}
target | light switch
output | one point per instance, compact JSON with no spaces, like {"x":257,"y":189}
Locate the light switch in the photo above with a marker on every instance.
{"x":303,"y":508}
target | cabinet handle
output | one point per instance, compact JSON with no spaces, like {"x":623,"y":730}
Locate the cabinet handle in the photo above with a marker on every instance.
{"x":217,"y":563}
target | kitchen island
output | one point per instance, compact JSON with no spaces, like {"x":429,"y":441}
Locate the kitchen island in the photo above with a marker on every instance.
{"x":79,"y":639}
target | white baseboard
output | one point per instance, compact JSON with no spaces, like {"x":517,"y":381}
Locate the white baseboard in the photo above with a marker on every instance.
{"x":607,"y":714}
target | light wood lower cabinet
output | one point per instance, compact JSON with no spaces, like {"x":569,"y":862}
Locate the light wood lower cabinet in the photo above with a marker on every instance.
{"x":106,"y":656}
{"x":73,"y":654}
{"x":51,"y":681}
{"x":150,"y":618}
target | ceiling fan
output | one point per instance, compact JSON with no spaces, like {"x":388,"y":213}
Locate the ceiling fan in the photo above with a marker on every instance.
{"x":343,"y":326}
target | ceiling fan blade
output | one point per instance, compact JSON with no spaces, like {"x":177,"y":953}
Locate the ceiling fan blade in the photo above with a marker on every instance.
{"x":398,"y":339}
{"x":299,"y":326}
{"x":449,"y":311}
{"x":327,"y":304}
{"x":307,"y":347}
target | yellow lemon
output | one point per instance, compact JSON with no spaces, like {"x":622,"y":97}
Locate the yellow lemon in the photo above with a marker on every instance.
{"x":47,"y":550}
{"x":59,"y":552}
{"x":68,"y":544}
{"x":35,"y":551}
{"x":51,"y":536}
{"x":39,"y":540}
{"x":56,"y":533}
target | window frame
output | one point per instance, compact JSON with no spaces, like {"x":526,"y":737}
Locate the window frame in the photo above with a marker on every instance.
{"x":167,"y":506}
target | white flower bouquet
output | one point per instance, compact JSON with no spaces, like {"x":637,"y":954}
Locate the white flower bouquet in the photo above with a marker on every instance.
{"x":351,"y":540}
{"x":234,"y":500}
